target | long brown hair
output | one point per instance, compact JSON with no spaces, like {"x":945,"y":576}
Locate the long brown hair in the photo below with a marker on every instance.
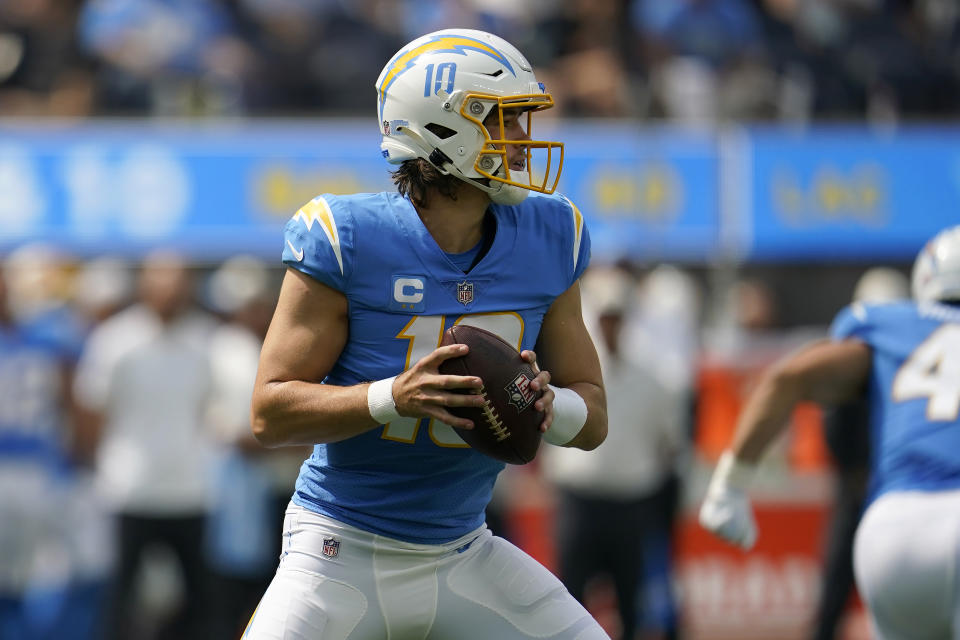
{"x":415,"y":178}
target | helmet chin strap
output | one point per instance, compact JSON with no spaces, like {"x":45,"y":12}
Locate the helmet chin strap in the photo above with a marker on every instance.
{"x":509,"y":194}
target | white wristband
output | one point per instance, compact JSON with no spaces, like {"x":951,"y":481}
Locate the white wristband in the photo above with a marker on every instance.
{"x":731,"y":472}
{"x":380,"y":401}
{"x":569,"y":416}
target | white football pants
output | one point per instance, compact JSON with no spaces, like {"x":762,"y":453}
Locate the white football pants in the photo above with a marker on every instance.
{"x":336,"y":582}
{"x":905,"y":558}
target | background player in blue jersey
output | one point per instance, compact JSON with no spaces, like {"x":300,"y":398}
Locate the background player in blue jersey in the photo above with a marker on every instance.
{"x":46,"y":588}
{"x":906,"y":357}
{"x":385,"y":536}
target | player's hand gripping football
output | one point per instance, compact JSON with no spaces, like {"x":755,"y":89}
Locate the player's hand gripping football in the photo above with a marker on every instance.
{"x":423,"y":392}
{"x":726,"y":510}
{"x":542,"y":381}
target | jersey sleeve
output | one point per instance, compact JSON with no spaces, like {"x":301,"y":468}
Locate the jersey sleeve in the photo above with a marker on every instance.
{"x":318,"y":239}
{"x":580,"y":250}
{"x":851,"y":322}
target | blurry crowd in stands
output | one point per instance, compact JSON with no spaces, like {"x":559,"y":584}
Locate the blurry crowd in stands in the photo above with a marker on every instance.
{"x":693,"y":61}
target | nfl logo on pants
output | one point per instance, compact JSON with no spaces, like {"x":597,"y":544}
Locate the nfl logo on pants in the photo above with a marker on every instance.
{"x":331,"y":547}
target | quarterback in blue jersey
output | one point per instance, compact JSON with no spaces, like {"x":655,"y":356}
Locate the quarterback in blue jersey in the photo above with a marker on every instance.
{"x":905,"y":357}
{"x":385,"y":534}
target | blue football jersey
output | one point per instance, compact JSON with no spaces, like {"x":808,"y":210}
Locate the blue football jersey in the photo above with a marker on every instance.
{"x":416,"y":480}
{"x":32,"y":397}
{"x":914,"y":392}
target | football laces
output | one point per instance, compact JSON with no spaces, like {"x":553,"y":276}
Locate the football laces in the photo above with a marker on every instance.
{"x":493,"y":420}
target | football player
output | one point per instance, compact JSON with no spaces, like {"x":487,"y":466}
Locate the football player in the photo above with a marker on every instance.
{"x":43,"y":587}
{"x":385,"y":534}
{"x":905,"y":356}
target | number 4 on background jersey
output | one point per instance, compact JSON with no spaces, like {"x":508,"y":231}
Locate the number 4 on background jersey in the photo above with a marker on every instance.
{"x":933,"y":371}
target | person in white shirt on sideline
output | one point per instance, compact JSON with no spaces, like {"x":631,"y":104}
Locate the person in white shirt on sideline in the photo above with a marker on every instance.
{"x":144,"y":378}
{"x":611,"y":498}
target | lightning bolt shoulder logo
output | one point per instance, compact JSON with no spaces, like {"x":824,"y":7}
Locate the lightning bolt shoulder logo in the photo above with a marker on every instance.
{"x":297,"y":253}
{"x":318,"y":211}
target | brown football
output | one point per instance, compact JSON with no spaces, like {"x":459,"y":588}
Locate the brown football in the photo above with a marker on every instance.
{"x":507,"y":427}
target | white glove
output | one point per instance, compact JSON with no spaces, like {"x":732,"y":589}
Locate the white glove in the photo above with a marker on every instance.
{"x":726,"y":510}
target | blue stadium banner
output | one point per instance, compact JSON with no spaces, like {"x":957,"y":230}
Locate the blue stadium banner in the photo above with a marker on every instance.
{"x":213,"y":189}
{"x":217,"y":189}
{"x":845,"y":193}
{"x":208,"y":190}
{"x":648,"y":193}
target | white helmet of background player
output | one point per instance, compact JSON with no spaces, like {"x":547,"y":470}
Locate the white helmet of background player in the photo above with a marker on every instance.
{"x":432,"y":99}
{"x":936,"y":271}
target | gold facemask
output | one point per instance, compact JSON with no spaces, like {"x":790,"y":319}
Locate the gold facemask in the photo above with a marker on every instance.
{"x":493,"y":148}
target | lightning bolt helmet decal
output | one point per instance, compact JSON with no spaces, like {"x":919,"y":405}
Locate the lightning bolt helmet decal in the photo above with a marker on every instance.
{"x":457,"y":44}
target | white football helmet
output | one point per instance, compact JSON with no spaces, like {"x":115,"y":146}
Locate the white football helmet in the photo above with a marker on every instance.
{"x":434,"y":95}
{"x":936,"y":271}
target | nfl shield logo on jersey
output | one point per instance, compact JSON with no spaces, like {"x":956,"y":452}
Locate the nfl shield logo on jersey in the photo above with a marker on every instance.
{"x":465,"y":292}
{"x":519,"y":392}
{"x":331,"y":547}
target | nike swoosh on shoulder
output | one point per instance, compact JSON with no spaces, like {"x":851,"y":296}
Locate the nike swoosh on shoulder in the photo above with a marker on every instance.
{"x":297,"y":253}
